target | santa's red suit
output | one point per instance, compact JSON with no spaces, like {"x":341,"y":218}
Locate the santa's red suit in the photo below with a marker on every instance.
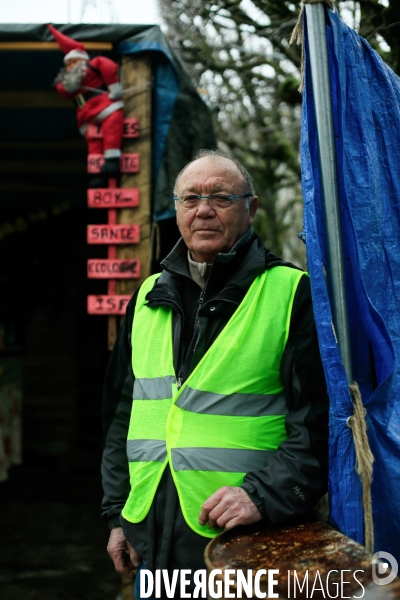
{"x":95,"y":88}
{"x":97,"y":106}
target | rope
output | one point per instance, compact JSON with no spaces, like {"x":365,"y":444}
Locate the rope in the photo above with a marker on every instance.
{"x":364,"y":460}
{"x":130,"y":89}
{"x":137,"y":87}
{"x":297,"y":34}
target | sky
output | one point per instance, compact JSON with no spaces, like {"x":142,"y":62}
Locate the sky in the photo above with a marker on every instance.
{"x":70,"y":11}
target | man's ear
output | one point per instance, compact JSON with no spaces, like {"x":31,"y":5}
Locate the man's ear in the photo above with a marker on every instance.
{"x":253,"y":208}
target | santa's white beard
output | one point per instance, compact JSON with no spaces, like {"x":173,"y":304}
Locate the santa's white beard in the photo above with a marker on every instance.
{"x":79,"y":70}
{"x":71,"y":80}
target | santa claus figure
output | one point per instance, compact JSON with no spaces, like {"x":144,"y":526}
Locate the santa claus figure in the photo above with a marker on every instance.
{"x":94,"y":86}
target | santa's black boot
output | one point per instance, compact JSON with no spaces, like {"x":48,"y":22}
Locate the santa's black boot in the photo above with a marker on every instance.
{"x":111,"y":167}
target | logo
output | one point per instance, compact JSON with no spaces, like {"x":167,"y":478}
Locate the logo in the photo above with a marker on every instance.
{"x":384,"y":563}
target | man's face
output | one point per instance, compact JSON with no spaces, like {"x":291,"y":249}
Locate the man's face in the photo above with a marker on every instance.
{"x":71,"y":63}
{"x":205,"y":230}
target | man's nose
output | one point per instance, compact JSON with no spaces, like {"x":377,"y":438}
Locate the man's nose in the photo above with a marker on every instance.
{"x":204,"y":207}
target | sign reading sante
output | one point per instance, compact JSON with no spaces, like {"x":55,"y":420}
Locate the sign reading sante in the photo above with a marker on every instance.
{"x":113,"y":234}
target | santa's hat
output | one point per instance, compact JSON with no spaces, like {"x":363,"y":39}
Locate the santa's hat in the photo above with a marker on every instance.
{"x":70,"y":47}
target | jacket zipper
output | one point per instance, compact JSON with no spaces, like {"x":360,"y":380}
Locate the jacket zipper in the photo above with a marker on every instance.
{"x":196,"y":320}
{"x":181,"y":319}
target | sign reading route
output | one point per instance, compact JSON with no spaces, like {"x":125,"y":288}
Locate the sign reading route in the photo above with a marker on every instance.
{"x":113,"y":234}
{"x":107,"y":305}
{"x":127,"y":268}
{"x":129,"y":163}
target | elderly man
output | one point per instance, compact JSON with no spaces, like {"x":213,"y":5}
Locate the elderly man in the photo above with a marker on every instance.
{"x":215,"y":398}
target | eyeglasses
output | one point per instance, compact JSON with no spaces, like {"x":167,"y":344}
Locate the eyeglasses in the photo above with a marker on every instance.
{"x":216,"y":201}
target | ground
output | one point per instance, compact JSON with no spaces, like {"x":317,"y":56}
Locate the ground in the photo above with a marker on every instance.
{"x":53,"y":542}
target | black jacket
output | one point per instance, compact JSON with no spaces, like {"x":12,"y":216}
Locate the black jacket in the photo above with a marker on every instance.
{"x":295,"y":476}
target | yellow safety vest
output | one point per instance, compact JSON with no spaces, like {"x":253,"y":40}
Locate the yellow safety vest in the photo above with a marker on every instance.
{"x":227,"y":416}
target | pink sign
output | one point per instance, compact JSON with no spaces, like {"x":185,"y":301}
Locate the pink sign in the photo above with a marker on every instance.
{"x":95,"y":162}
{"x":113,"y":197}
{"x":130,"y":130}
{"x":129,"y":163}
{"x":127,"y":268}
{"x":113,"y":234}
{"x":107,"y":305}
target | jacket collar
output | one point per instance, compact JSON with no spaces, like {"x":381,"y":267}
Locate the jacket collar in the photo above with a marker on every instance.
{"x":232,"y":272}
{"x":176,"y":262}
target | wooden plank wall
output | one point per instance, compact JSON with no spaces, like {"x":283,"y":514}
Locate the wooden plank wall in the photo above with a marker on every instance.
{"x":137,"y":72}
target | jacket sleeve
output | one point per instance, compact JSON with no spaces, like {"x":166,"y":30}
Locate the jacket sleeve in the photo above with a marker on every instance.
{"x":295,"y":476}
{"x":117,"y":404}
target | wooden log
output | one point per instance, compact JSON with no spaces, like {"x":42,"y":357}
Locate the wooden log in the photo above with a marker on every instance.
{"x":129,"y":163}
{"x":51,"y":46}
{"x":130,"y":130}
{"x":137,"y":72}
{"x":113,"y":198}
{"x":113,"y":234}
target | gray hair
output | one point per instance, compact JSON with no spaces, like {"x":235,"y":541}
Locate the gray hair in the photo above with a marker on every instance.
{"x":219,"y":153}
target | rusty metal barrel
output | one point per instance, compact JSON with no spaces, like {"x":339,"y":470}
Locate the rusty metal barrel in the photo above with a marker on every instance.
{"x":313,"y":560}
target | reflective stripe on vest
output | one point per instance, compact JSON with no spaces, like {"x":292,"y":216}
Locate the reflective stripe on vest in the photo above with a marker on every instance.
{"x":235,"y":404}
{"x":153,"y":389}
{"x":228,"y":460}
{"x":228,"y":415}
{"x":146,"y":450}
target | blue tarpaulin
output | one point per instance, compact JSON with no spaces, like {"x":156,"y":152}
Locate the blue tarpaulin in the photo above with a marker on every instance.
{"x":366,"y":112}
